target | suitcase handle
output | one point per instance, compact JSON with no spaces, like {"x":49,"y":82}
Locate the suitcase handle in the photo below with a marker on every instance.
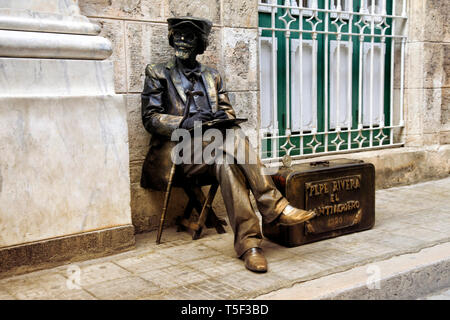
{"x":325,"y":163}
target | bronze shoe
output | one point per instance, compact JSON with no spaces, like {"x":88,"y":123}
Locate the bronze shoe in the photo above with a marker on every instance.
{"x":291,"y":216}
{"x":255,"y":260}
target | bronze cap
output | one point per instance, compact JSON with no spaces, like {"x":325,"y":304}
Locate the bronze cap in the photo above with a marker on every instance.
{"x":202,"y":25}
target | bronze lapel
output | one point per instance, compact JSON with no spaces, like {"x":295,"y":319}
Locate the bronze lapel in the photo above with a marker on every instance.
{"x":210,"y":86}
{"x":176,"y":80}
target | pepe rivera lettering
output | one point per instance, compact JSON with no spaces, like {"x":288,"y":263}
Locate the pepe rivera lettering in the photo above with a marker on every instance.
{"x":334,"y":196}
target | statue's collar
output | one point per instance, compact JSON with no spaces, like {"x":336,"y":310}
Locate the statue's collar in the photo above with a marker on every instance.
{"x":173,"y":63}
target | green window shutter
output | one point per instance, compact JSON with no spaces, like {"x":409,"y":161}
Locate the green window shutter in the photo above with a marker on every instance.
{"x":312,"y":128}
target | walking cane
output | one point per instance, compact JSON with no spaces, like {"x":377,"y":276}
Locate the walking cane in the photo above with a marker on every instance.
{"x":190,"y":94}
{"x":166,"y":203}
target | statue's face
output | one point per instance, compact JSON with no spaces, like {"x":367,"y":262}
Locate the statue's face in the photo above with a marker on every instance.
{"x":185,"y":42}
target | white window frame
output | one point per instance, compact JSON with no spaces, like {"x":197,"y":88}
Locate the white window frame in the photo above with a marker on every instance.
{"x":306,"y":13}
{"x":343,"y":85}
{"x":267,"y":107}
{"x":263,"y":8}
{"x":380,"y":8}
{"x":347,"y":7}
{"x":379,"y":56}
{"x":312,"y":83}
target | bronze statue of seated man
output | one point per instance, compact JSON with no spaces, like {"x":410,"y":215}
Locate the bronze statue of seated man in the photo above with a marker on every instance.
{"x":182,"y":92}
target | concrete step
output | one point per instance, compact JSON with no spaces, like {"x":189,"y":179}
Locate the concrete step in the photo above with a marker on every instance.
{"x":437,"y":295}
{"x":407,"y":276}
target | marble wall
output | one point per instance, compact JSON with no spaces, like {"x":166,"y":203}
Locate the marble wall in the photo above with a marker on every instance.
{"x":64,"y":164}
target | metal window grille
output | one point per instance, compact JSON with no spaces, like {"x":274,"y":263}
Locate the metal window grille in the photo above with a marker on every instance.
{"x":331,"y":75}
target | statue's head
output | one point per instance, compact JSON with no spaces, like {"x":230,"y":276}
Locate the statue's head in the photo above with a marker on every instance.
{"x":188,"y":35}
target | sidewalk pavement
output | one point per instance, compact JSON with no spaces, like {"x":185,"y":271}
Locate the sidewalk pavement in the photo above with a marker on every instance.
{"x":412,"y":228}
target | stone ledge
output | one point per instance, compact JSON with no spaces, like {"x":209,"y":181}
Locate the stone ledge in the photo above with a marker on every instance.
{"x":57,"y":251}
{"x":53,"y":45}
{"x":26,"y":20}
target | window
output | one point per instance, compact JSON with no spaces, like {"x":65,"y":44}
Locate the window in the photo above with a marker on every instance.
{"x":340,"y":5}
{"x":308,"y":4}
{"x":340,"y":83}
{"x":373,"y":78}
{"x":263,"y":8}
{"x":268,"y":85}
{"x":327,"y":78}
{"x":378,"y":7}
{"x":303,"y":93}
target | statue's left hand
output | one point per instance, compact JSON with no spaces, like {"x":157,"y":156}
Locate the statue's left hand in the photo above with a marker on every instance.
{"x":220,"y":115}
{"x":206,"y":115}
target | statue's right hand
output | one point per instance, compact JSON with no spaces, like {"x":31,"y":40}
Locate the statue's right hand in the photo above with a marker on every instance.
{"x":202,"y":116}
{"x":187,"y":123}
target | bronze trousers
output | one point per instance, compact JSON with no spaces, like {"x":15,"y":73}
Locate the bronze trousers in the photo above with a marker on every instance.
{"x":236,"y":178}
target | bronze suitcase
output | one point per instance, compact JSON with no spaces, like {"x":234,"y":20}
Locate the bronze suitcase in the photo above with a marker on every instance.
{"x":342,"y":192}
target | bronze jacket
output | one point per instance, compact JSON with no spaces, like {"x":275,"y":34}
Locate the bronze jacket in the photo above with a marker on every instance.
{"x":163,"y":110}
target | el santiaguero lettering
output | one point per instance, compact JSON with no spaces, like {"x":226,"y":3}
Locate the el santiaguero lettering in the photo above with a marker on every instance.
{"x":337,"y":208}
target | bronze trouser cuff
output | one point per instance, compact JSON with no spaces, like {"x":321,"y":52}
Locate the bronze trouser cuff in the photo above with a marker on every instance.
{"x":246,"y":245}
{"x":280,"y":206}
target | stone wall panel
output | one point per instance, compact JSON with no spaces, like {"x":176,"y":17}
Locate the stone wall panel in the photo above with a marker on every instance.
{"x":445,"y":109}
{"x":125,"y":9}
{"x":397,"y":65}
{"x":446,"y":71}
{"x":414,"y":72}
{"x":208,"y":9}
{"x":417,"y":19}
{"x":432,"y":111}
{"x":445,"y":117}
{"x":444,"y":137}
{"x":240,"y":13}
{"x":240,"y":59}
{"x":147,"y":207}
{"x":138,"y":45}
{"x":146,"y":43}
{"x":213,"y":54}
{"x":245,"y":105}
{"x":433,"y":54}
{"x":431,"y":138}
{"x":437,"y":26}
{"x":161,"y":51}
{"x":114,"y":31}
{"x":135,"y":171}
{"x":138,"y":137}
{"x":414,"y":99}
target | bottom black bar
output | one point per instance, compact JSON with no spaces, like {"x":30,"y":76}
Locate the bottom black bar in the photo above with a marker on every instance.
{"x":218,"y":309}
